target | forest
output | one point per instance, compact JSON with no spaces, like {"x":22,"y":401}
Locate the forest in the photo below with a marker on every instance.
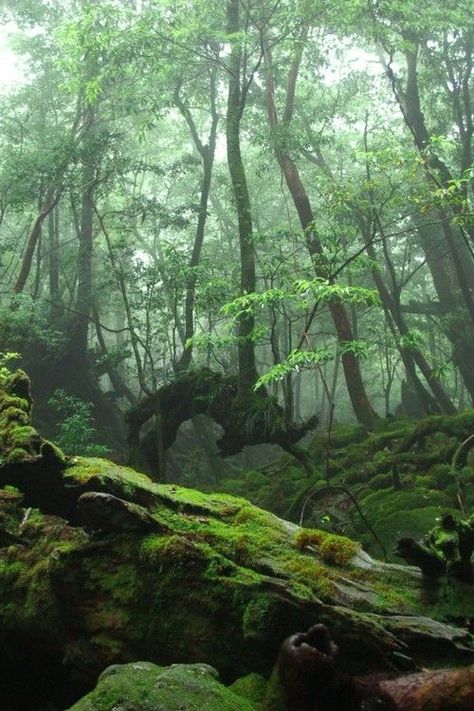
{"x":236,"y":355}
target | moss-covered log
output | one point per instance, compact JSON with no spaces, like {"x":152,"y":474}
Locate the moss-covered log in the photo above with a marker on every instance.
{"x":246,"y":420}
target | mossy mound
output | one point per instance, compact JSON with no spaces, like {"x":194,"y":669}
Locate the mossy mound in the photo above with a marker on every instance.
{"x":27,"y":461}
{"x":19,"y":441}
{"x":143,"y":686}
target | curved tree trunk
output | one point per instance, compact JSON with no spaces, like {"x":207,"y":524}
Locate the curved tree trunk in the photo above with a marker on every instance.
{"x":362,"y":407}
{"x":207,"y":153}
{"x":49,"y":202}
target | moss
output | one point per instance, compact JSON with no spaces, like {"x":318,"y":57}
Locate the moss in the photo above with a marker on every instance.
{"x":254,"y":480}
{"x":10,"y":571}
{"x":22,"y":435}
{"x":146,"y":686}
{"x":232,"y":486}
{"x":381,"y":481}
{"x":8,"y":401}
{"x":10,"y":492}
{"x":13,"y":414}
{"x":102,"y":471}
{"x":251,"y":687}
{"x":18,"y":455}
{"x":157,"y":550}
{"x":225,"y":583}
{"x":20,"y":441}
{"x":332,"y":548}
{"x":315,"y":577}
{"x":257,"y":616}
{"x":51,"y":453}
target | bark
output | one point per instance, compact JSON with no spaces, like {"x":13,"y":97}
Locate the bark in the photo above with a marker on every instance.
{"x":54,"y":266}
{"x":80,"y":326}
{"x":51,"y":199}
{"x":49,"y":202}
{"x":391,"y":305}
{"x":456,"y":323}
{"x":134,"y":340}
{"x":437,"y":172}
{"x":410,"y":356}
{"x":118,"y":384}
{"x":458,"y":288}
{"x":249,"y":421}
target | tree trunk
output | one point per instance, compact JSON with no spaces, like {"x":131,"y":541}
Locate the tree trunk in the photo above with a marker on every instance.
{"x":55,"y":307}
{"x":362,"y":407}
{"x":51,"y":199}
{"x":410,"y":356}
{"x":83,"y":305}
{"x":392,"y":307}
{"x":436,"y":171}
{"x":207,"y":153}
{"x":235,"y":106}
{"x":456,"y":323}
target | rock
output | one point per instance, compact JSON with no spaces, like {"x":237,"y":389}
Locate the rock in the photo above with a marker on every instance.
{"x":143,"y":686}
{"x":199,"y":577}
{"x":431,"y":636}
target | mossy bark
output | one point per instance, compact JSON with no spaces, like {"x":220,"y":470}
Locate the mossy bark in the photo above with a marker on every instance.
{"x":246,"y":420}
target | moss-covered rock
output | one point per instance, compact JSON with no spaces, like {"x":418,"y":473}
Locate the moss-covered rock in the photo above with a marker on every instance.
{"x":178,"y":576}
{"x":208,"y":578}
{"x":143,"y":686}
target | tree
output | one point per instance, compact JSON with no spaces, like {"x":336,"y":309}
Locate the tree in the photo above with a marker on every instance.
{"x":281,"y":132}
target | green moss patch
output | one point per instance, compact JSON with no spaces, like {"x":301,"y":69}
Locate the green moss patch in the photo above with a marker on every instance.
{"x":332,"y":548}
{"x":144,"y":686}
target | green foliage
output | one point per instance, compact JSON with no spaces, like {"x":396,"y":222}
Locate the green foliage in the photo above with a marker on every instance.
{"x":296,"y":361}
{"x":85,"y":102}
{"x":413,"y":339}
{"x":325,"y":292}
{"x":319,"y":289}
{"x":76,"y":431}
{"x":24,"y":323}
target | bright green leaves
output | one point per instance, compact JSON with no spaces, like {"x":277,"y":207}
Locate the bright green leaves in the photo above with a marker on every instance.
{"x":247,"y":304}
{"x":297,"y":360}
{"x":77,"y":428}
{"x":413,"y":339}
{"x":300,"y":293}
{"x":325,"y":293}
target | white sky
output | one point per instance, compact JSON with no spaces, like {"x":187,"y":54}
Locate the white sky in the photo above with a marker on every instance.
{"x":11,"y":71}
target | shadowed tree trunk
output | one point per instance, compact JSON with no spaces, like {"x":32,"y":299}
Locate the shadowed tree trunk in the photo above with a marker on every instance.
{"x":237,"y":93}
{"x":55,"y":307}
{"x":50,"y":201}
